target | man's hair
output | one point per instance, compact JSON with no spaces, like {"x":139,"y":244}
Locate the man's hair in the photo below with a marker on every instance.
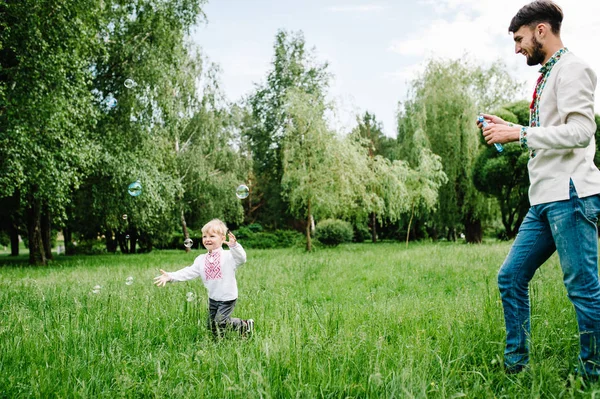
{"x":536,"y":12}
{"x":215,"y":226}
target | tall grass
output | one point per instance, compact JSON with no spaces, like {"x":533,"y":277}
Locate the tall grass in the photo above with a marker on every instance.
{"x":356,"y":321}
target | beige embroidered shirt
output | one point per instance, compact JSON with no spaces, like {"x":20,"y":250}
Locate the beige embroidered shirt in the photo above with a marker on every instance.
{"x":563,"y":142}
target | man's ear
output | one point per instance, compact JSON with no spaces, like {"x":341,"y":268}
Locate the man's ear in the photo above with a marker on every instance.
{"x":541,"y":30}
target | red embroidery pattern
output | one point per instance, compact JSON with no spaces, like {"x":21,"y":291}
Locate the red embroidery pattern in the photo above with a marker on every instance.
{"x":212,"y":265}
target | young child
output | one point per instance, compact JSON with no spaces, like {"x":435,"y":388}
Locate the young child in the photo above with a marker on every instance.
{"x":217,"y":269}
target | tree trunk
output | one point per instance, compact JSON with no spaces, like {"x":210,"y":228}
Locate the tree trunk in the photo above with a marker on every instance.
{"x":373,"y":227}
{"x":122,"y":243}
{"x":186,"y":233}
{"x":412,"y":213}
{"x":132,"y":242}
{"x":308,"y":241}
{"x":111,"y":242}
{"x":37,"y":255}
{"x":474,"y":232}
{"x":451,"y":234}
{"x":14,"y":238}
{"x":68,"y":237}
{"x":46,"y":227}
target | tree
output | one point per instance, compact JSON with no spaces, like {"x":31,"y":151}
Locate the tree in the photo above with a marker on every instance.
{"x":145,"y":86}
{"x":370,"y":131}
{"x":505,"y":175}
{"x":423,"y":185}
{"x":47,"y":111}
{"x":440,"y":114}
{"x":211,"y":163}
{"x":314,"y":181}
{"x":293,"y":66}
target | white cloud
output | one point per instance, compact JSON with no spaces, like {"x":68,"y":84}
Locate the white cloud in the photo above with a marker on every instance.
{"x":480,"y":28}
{"x":355,"y":8}
{"x":446,"y":39}
{"x":406,"y":74}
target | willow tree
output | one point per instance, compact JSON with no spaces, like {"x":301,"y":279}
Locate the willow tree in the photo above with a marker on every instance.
{"x":443,"y":105}
{"x":369,"y":132}
{"x":322,"y":175}
{"x":293,"y":67}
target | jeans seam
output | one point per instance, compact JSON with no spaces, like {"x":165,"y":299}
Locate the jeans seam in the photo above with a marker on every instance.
{"x":514,"y":279}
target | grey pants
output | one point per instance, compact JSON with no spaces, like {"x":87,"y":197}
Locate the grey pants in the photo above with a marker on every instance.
{"x":219,"y":317}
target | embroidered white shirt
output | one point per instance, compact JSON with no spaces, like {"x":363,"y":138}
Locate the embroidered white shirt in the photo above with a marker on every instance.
{"x":217,"y":270}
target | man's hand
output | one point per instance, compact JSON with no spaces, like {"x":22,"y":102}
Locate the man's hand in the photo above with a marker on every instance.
{"x":501,"y":133}
{"x":492,"y":119}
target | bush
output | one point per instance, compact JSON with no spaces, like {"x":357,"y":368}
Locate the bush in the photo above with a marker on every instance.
{"x":251,"y":236}
{"x":4,"y":239}
{"x":264,"y":240}
{"x":361,"y":233}
{"x":175,"y":240}
{"x":332,"y":232}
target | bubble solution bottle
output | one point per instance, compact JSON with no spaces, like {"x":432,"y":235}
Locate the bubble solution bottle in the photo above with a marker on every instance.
{"x":484,"y":123}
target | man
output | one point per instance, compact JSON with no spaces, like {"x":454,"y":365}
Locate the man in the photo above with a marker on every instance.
{"x":564,"y":191}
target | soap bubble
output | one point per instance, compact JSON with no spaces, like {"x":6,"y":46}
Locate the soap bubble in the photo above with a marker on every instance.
{"x":127,"y":236}
{"x":124,"y":217}
{"x":188,"y":243}
{"x":130,"y":83}
{"x":242,"y":191}
{"x":96,"y":289}
{"x":190,"y":296}
{"x":135,"y":188}
{"x":111,"y":103}
{"x":129,"y":280}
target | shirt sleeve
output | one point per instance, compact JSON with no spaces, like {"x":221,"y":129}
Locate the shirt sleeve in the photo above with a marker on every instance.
{"x":575,"y":102}
{"x":190,"y":272}
{"x":238,"y":253}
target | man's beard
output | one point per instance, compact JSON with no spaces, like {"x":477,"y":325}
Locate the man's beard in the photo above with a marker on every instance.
{"x":537,"y":54}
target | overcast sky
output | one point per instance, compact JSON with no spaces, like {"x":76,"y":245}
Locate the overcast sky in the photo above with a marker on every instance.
{"x":374,"y":48}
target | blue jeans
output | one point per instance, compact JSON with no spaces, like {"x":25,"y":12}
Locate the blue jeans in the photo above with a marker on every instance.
{"x":569,"y":227}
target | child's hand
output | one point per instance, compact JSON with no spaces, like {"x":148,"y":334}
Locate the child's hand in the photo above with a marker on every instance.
{"x":232,"y":242}
{"x":160,"y":281}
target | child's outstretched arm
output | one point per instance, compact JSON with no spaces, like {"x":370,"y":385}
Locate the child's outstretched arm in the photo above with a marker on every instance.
{"x":163,"y":279}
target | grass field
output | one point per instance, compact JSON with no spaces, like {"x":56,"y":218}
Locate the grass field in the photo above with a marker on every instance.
{"x":357,"y":321}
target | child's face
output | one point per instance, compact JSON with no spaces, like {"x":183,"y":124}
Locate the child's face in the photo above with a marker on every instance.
{"x":212,"y":240}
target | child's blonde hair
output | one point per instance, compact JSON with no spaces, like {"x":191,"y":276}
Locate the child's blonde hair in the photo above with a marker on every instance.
{"x":215,"y":226}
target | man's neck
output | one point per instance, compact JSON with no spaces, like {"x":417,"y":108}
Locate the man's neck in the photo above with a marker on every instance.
{"x":552,"y":48}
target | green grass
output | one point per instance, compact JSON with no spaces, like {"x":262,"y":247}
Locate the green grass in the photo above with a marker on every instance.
{"x":356,"y":321}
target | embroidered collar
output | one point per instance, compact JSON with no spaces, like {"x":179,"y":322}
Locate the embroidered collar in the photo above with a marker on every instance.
{"x":547,"y":67}
{"x":215,"y":251}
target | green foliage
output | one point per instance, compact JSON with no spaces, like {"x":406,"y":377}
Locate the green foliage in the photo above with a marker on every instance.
{"x":440,"y":115}
{"x":252,"y":237}
{"x":332,"y":232}
{"x":4,"y":239}
{"x":361,"y":233}
{"x":504,"y":175}
{"x":370,"y":129}
{"x":321,"y":173}
{"x":293,"y":67}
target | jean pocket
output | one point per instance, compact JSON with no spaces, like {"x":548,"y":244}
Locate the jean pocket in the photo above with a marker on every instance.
{"x":591,"y":207}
